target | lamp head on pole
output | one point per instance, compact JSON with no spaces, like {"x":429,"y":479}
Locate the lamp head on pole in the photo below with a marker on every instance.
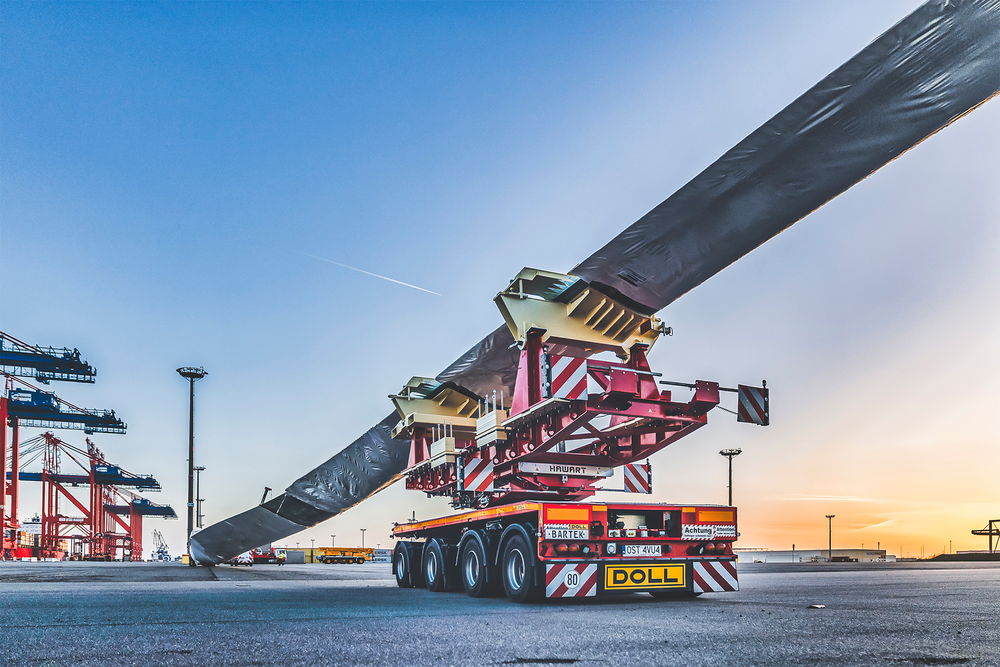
{"x":731,"y":452}
{"x":192,"y":373}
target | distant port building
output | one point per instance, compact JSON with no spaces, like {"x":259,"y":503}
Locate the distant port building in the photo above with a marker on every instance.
{"x":760,"y":555}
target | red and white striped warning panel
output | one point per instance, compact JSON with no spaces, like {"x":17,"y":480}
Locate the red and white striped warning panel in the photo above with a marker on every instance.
{"x":753,"y":405}
{"x":570,"y":580}
{"x":713,"y":576}
{"x":569,"y":377}
{"x":478,"y":475}
{"x":638,"y":478}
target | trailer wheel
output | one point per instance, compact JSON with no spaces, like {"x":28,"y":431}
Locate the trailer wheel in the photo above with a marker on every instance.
{"x":473,"y":569}
{"x":440,"y":573}
{"x":403,"y":565}
{"x":433,"y":563}
{"x":517,"y":570}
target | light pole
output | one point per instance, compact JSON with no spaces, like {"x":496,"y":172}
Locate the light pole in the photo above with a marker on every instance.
{"x":333,"y":540}
{"x":198,"y":516}
{"x":312,"y":550}
{"x":192,"y":375}
{"x":829,"y":518}
{"x":363,"y":537}
{"x":729,"y":454}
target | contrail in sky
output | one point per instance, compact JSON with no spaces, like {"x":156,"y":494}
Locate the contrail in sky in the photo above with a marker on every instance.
{"x":369,"y":273}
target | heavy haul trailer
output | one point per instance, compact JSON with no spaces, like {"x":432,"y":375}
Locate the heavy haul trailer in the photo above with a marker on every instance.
{"x":556,"y":550}
{"x":521,"y":472}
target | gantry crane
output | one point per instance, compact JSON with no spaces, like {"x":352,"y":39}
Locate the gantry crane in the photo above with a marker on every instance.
{"x":23,"y":404}
{"x":160,"y":549}
{"x":989,"y":531}
{"x":108,"y":508}
{"x":43,"y":363}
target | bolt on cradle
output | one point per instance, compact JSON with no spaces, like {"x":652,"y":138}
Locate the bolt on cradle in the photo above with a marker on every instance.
{"x":520,"y":472}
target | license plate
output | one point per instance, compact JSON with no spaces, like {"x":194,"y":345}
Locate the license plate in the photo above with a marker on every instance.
{"x":621,"y":577}
{"x":642,"y":550}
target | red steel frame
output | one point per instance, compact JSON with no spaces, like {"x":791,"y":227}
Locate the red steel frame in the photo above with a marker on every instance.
{"x":642,"y":419}
{"x":96,"y":531}
{"x":8,"y":489}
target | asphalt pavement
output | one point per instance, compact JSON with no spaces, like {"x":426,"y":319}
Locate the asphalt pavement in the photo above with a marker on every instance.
{"x":152,"y":614}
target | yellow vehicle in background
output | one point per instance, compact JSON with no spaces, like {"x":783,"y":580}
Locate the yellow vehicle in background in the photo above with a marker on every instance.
{"x":343,"y":555}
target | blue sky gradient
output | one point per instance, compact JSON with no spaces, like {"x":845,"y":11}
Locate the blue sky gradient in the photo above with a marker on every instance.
{"x":170,"y":171}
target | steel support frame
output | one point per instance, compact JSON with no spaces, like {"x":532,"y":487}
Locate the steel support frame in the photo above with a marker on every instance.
{"x":642,"y":420}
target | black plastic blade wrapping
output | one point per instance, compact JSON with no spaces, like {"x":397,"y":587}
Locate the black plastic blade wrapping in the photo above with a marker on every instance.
{"x":930,"y":68}
{"x":935,"y":65}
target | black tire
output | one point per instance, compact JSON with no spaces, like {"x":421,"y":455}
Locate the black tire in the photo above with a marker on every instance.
{"x":517,"y":570}
{"x":401,"y":566}
{"x":433,"y":567}
{"x":674,"y":595}
{"x":474,"y":569}
{"x":405,"y":564}
{"x":438,"y":566}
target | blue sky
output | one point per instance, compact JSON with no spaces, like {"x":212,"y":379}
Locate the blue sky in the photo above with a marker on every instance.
{"x":169,"y":170}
